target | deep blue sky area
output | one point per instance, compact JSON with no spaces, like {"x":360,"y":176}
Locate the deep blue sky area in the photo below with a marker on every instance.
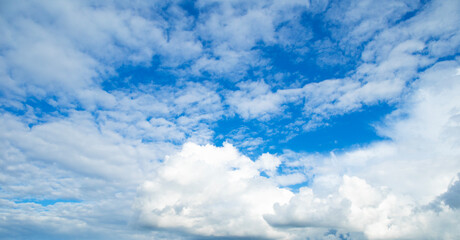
{"x":341,"y":132}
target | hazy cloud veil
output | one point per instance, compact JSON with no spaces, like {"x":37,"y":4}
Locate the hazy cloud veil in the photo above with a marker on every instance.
{"x":299,"y":119}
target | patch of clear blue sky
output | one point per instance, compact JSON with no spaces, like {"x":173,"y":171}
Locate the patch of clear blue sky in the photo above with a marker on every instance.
{"x":47,"y":202}
{"x":342,"y":132}
{"x":129,"y":76}
{"x":411,"y":14}
{"x":42,"y":110}
{"x":189,"y":7}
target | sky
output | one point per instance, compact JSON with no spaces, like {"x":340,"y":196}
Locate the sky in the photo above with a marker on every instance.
{"x":233,"y":119}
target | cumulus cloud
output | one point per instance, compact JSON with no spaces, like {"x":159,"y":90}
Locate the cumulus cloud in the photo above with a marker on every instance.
{"x":401,"y":188}
{"x":373,"y":200}
{"x":356,"y":191}
{"x":357,"y":206}
{"x":210,"y":191}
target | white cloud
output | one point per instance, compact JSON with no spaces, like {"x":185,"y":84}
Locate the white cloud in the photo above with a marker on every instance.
{"x":401,"y":187}
{"x":66,"y":49}
{"x":239,"y":31}
{"x":234,"y":28}
{"x":255,"y":100}
{"x":70,"y":159}
{"x":268,"y":163}
{"x":357,"y":206}
{"x":391,"y":61}
{"x":75,"y":146}
{"x":359,"y":21}
{"x":165,"y":113}
{"x":93,"y":220}
{"x":209,"y":191}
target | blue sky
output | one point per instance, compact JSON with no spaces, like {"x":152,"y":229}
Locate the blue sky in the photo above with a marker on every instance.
{"x":300,"y":119}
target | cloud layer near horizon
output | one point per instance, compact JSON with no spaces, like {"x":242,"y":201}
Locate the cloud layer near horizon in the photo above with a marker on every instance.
{"x":176,"y":119}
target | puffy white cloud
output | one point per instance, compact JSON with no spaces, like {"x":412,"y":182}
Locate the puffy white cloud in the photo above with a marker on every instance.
{"x":210,"y":191}
{"x":268,"y":163}
{"x":424,"y":145}
{"x":403,"y":187}
{"x":255,"y":100}
{"x":357,"y":206}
